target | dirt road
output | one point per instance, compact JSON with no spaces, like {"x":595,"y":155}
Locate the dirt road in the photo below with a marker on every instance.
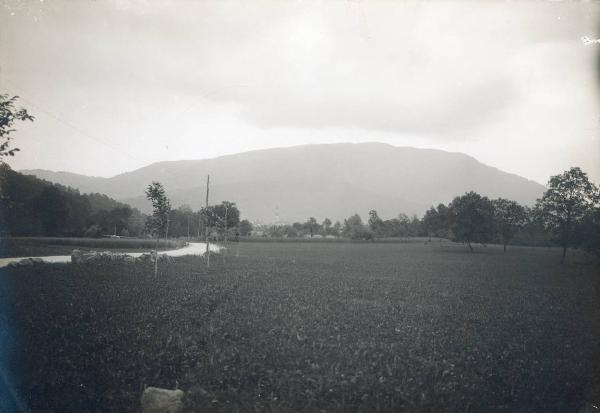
{"x":193,"y":248}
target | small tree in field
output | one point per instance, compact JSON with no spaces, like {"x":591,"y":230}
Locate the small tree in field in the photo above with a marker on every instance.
{"x":326,"y":226}
{"x":355,"y":229}
{"x":312,"y":226}
{"x":570,"y":196}
{"x":157,"y":223}
{"x":8,"y":115}
{"x":472,"y":218}
{"x":509,"y":217}
{"x":376,"y":224}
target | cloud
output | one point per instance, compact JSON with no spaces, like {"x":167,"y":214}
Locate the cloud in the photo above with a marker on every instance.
{"x":221,"y":77}
{"x":316,"y":71}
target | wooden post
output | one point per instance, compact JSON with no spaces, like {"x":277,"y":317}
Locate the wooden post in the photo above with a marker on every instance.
{"x":199,"y":222}
{"x":155,"y":263}
{"x":206,"y":223}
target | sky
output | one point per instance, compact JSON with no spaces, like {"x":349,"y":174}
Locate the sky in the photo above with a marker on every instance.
{"x":117,"y":85}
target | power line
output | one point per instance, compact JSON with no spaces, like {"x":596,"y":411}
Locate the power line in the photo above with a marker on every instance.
{"x":69,"y":124}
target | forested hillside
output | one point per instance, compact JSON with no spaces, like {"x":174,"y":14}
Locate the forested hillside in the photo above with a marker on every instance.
{"x":34,"y":207}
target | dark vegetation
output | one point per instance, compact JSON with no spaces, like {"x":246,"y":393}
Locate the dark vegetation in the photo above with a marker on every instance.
{"x":566,"y":215}
{"x":42,"y":246}
{"x":304,"y":327}
{"x":9,"y":114}
{"x":33,"y":207}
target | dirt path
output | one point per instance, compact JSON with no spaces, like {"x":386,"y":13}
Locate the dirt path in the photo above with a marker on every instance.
{"x":193,"y":248}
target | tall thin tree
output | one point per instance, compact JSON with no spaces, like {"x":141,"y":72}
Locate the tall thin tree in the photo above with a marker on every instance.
{"x":206,"y":222}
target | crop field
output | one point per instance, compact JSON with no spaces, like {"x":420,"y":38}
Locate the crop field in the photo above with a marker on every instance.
{"x":308,"y":327}
{"x":45,"y":246}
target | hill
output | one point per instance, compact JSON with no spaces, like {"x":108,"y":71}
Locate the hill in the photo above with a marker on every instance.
{"x":35,"y":207}
{"x":334,"y":180}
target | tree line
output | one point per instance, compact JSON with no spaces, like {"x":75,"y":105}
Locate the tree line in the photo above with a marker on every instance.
{"x":221,"y":220}
{"x":568,"y":214}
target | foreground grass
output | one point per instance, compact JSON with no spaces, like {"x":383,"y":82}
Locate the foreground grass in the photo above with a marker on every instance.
{"x":304,"y":327}
{"x":46,"y":246}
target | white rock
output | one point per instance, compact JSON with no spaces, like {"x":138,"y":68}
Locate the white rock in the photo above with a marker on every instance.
{"x":157,"y":400}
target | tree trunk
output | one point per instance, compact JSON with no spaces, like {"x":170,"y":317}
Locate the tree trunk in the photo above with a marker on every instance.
{"x":562,"y":260}
{"x":206,"y":228}
{"x":566,"y":237}
{"x":156,"y":257}
{"x":167,"y":230}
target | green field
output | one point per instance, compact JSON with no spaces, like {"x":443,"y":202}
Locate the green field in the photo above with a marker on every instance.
{"x":46,"y":246}
{"x":310,"y":327}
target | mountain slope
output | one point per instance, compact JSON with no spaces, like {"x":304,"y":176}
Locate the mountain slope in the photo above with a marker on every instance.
{"x":316,"y":180}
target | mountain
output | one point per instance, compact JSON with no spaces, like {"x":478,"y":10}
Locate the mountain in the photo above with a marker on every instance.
{"x":337,"y":180}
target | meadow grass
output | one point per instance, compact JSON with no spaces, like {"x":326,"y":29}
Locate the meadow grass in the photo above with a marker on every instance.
{"x":310,"y":327}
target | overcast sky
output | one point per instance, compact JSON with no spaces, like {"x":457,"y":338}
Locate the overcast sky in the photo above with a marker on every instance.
{"x":116,"y":85}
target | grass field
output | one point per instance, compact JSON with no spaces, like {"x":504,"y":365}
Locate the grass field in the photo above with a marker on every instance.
{"x":46,"y":246}
{"x":309,"y":327}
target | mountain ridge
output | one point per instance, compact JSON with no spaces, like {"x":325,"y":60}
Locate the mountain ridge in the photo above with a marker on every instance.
{"x":334,"y":180}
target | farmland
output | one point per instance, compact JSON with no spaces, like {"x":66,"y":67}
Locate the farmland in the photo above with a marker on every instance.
{"x":309,"y":326}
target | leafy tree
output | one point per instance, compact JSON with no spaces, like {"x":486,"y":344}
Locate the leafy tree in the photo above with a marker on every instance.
{"x":534,"y":231}
{"x":509,"y":218}
{"x":401,"y":226}
{"x":51,"y":207}
{"x":222,"y":217}
{"x":336,"y":229}
{"x":326,"y":226}
{"x":8,"y":115}
{"x":570,"y":196}
{"x":355,"y":229}
{"x":136,"y":223}
{"x":299,"y":229}
{"x":414,"y":227}
{"x":157,"y":224}
{"x":245,"y":228}
{"x":312,"y":226}
{"x":376,"y":224}
{"x":431,"y":222}
{"x":472,"y":218}
{"x":119,"y":217}
{"x":588,"y":231}
{"x":282,"y":231}
{"x":181,"y":221}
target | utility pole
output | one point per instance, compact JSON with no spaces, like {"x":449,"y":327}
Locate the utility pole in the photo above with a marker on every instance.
{"x":206,"y":223}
